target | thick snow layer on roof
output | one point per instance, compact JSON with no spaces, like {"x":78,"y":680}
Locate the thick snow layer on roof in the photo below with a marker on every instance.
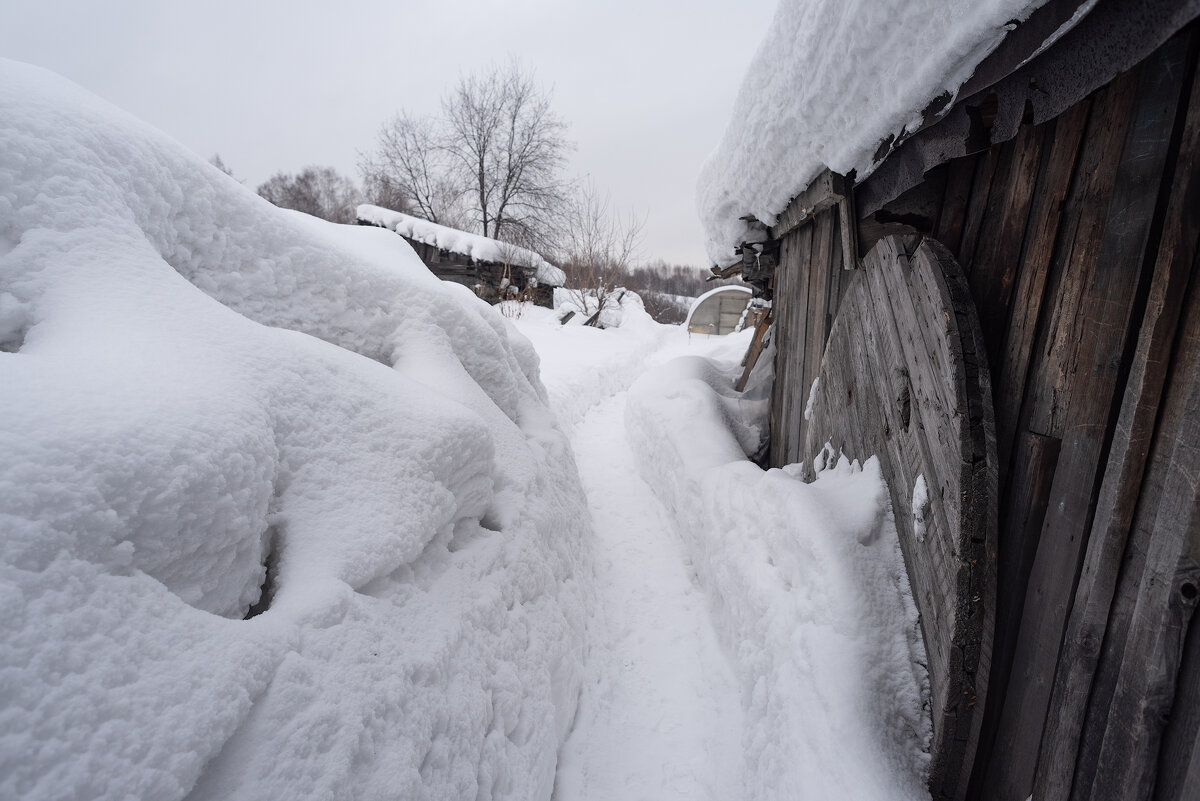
{"x":830,"y":82}
{"x":202,"y":395}
{"x":473,"y":246}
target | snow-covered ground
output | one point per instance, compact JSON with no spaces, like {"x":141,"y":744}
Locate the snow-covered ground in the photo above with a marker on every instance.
{"x":755,"y":637}
{"x":286,"y":517}
{"x":212,"y":409}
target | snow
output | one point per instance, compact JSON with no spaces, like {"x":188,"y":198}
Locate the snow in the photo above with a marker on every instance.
{"x":755,"y":636}
{"x":198,"y":389}
{"x":831,"y":80}
{"x":808,"y":588}
{"x":473,"y":246}
{"x":287,"y":517}
{"x":920,"y":506}
{"x":813,"y":389}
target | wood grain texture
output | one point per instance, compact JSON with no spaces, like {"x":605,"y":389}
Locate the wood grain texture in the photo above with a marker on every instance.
{"x":826,"y":190}
{"x":1123,"y":476}
{"x":1054,"y":181}
{"x":904,"y":378}
{"x":1079,"y":373}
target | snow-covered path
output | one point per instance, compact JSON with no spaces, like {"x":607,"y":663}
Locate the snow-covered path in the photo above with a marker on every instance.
{"x":660,"y":716}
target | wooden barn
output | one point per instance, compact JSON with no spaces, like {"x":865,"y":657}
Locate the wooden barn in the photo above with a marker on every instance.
{"x":1006,"y":311}
{"x":493,"y":270}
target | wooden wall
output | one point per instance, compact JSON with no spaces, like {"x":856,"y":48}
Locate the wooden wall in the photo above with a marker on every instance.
{"x":481,"y":277}
{"x":1078,"y":238}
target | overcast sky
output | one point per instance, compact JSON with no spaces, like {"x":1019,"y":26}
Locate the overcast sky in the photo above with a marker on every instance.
{"x":646,"y":87}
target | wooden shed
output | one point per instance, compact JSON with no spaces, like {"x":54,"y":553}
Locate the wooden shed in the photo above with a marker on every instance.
{"x":493,"y":270}
{"x":1007,"y":312}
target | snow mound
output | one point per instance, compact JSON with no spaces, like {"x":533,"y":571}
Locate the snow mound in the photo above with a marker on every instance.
{"x":807,"y":586}
{"x":581,"y":365}
{"x":283,"y":515}
{"x":830,"y":82}
{"x":473,"y":246}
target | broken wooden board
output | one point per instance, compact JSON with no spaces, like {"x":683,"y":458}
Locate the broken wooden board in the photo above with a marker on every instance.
{"x":761,"y":322}
{"x":904,"y":377}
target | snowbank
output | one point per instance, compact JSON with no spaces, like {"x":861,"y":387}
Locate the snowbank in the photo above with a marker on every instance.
{"x":808,"y":588}
{"x":830,"y":82}
{"x":211,"y":407}
{"x":473,"y":246}
{"x":582,"y":365}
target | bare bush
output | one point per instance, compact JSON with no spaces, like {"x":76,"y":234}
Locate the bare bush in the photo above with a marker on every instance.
{"x":597,"y":248}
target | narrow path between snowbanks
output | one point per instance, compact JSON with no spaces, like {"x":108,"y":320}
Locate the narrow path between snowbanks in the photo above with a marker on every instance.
{"x":660,"y":716}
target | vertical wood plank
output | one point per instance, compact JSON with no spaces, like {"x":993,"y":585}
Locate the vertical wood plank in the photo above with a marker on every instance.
{"x":1166,"y":593}
{"x":981,"y":185}
{"x":959,"y":176}
{"x":819,"y":269}
{"x":1054,"y":181}
{"x":1079,"y":371}
{"x":997,"y":256}
{"x":1123,"y":475}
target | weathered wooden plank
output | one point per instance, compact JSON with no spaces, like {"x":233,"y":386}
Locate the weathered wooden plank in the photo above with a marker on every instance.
{"x":1078,"y":371}
{"x":960,"y":173}
{"x":1123,"y":475}
{"x":995,"y":263}
{"x":1165,"y":591}
{"x":848,"y":258}
{"x":780,"y":288}
{"x":826,"y":190}
{"x":819,"y":270}
{"x":790,"y":332}
{"x":1179,"y":757}
{"x":1054,"y":181}
{"x":761,"y":323}
{"x":895,"y":382}
{"x":981,"y":187}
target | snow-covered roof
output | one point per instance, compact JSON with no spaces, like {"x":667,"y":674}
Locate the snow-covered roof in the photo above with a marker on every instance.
{"x":473,"y":246}
{"x":830,"y":82}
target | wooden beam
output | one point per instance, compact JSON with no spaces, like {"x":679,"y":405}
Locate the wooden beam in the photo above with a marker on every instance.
{"x":827,"y":189}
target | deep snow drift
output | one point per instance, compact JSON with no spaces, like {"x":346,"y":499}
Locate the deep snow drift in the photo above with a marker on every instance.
{"x":831,"y":80}
{"x":808,"y":589}
{"x":204,"y":400}
{"x":756,"y":638}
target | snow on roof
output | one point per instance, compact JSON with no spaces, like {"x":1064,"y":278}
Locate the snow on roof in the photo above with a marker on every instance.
{"x":830,"y":82}
{"x":473,"y":246}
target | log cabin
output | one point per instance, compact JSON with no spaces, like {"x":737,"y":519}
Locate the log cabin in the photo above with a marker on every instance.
{"x":1004,"y":308}
{"x":492,"y":269}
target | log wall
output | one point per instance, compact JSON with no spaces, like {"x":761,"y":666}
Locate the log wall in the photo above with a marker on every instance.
{"x":1078,"y":240}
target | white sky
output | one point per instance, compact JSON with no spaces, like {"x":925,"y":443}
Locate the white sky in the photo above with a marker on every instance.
{"x":647,"y":87}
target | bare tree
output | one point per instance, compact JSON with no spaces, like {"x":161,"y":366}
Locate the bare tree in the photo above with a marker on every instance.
{"x":219,"y":163}
{"x":598,"y":247}
{"x":411,"y":158}
{"x":320,"y":191}
{"x":492,"y":162}
{"x":510,"y":147}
